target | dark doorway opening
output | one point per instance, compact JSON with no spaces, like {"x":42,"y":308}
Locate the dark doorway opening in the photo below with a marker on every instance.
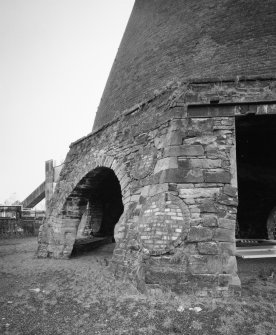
{"x":256,"y":171}
{"x":105,"y":202}
{"x":100,"y":193}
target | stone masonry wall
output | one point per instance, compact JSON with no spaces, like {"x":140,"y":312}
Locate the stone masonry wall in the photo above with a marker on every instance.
{"x":175,"y":160}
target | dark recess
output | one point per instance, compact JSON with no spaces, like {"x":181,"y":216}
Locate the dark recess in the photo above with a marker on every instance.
{"x":256,"y":167}
{"x":99,"y":191}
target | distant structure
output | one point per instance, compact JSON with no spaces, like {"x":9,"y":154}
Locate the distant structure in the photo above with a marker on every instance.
{"x":22,"y":219}
{"x":46,"y":188}
{"x":16,"y":221}
{"x":182,"y":149}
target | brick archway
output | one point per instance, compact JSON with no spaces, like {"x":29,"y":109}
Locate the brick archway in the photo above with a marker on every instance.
{"x":72,"y":198}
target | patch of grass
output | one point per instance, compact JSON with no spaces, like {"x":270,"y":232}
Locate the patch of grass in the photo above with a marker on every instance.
{"x":265,"y":328}
{"x":230,"y":323}
{"x":80,"y":296}
{"x":196,"y":325}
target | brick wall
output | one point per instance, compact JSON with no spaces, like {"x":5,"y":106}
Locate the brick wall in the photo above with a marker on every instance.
{"x":182,"y":40}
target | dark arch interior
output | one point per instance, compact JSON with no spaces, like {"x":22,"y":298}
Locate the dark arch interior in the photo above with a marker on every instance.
{"x":99,"y":199}
{"x":256,"y":169}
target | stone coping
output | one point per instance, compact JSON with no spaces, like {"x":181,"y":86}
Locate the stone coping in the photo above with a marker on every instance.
{"x":172,"y":85}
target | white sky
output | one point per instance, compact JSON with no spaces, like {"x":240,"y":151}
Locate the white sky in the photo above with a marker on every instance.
{"x":55,"y":57}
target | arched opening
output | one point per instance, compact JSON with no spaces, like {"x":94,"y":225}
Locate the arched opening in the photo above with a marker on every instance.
{"x":98,"y":198}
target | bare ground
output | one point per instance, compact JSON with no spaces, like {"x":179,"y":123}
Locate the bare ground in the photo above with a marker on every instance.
{"x":80,"y":296}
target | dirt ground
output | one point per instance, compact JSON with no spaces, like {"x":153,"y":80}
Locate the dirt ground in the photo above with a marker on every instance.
{"x":80,"y":296}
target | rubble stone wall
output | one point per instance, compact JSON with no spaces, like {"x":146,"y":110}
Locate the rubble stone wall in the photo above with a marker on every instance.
{"x":175,"y":161}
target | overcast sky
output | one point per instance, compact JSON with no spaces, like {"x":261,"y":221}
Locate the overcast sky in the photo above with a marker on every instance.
{"x":55,"y":57}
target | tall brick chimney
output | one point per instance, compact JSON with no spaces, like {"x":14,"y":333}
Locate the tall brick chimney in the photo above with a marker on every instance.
{"x":184,"y":40}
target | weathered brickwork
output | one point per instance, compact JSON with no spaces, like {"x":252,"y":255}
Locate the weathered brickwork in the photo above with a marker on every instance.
{"x":174,"y":159}
{"x":181,"y":40}
{"x":163,"y":223}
